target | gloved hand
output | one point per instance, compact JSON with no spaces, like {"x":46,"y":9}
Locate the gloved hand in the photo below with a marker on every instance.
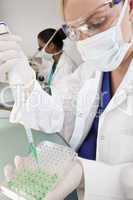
{"x":14,"y":62}
{"x":68,"y":184}
{"x":99,"y":180}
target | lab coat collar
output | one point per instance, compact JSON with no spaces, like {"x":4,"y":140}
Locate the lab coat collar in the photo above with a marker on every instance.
{"x":60,"y":64}
{"x":124,"y":91}
{"x":86,"y":111}
{"x":87,"y":104}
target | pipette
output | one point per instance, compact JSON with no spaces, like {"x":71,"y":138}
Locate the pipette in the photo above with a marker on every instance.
{"x":32,"y":146}
{"x":3,"y":31}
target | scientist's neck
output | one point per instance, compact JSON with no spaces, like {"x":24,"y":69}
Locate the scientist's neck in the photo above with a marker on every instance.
{"x":118,"y":75}
{"x":57,"y":57}
{"x":122,"y":69}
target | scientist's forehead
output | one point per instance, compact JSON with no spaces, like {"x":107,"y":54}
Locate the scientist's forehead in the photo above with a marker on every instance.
{"x":74,"y":9}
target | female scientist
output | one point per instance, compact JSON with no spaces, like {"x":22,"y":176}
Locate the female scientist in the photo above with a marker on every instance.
{"x":104,"y":105}
{"x":51,"y":44}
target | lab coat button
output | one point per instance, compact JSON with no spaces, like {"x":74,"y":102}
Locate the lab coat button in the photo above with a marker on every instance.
{"x":102,"y":137}
{"x":80,"y":115}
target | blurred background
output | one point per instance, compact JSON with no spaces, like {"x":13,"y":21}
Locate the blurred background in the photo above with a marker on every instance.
{"x":28,"y":18}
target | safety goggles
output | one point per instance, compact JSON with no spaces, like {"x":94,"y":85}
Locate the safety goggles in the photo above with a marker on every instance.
{"x":90,"y":25}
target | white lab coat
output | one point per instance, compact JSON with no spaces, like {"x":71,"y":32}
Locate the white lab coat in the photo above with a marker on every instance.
{"x":56,"y":113}
{"x":115,"y":125}
{"x":65,"y":67}
{"x":115,"y":134}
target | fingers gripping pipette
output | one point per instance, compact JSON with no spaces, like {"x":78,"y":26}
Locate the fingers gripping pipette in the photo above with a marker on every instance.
{"x":3,"y":31}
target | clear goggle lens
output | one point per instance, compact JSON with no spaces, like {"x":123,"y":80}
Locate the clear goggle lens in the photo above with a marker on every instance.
{"x":71,"y":33}
{"x":75,"y":34}
{"x":85,"y":27}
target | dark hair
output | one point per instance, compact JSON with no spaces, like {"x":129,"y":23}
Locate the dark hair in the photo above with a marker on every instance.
{"x":45,"y":36}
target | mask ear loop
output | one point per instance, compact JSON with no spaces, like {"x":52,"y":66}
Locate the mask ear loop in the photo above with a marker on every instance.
{"x":119,"y":23}
{"x":123,"y":12}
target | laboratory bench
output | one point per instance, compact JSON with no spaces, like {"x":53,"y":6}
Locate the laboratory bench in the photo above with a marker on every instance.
{"x":13,"y":141}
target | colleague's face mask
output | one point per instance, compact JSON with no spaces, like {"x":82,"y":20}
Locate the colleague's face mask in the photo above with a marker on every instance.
{"x":46,"y":56}
{"x":49,"y":56}
{"x":105,"y":51}
{"x":38,"y":54}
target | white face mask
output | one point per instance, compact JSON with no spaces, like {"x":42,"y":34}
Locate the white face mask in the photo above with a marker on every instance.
{"x":44,"y":55}
{"x":105,"y":51}
{"x":47,"y":56}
